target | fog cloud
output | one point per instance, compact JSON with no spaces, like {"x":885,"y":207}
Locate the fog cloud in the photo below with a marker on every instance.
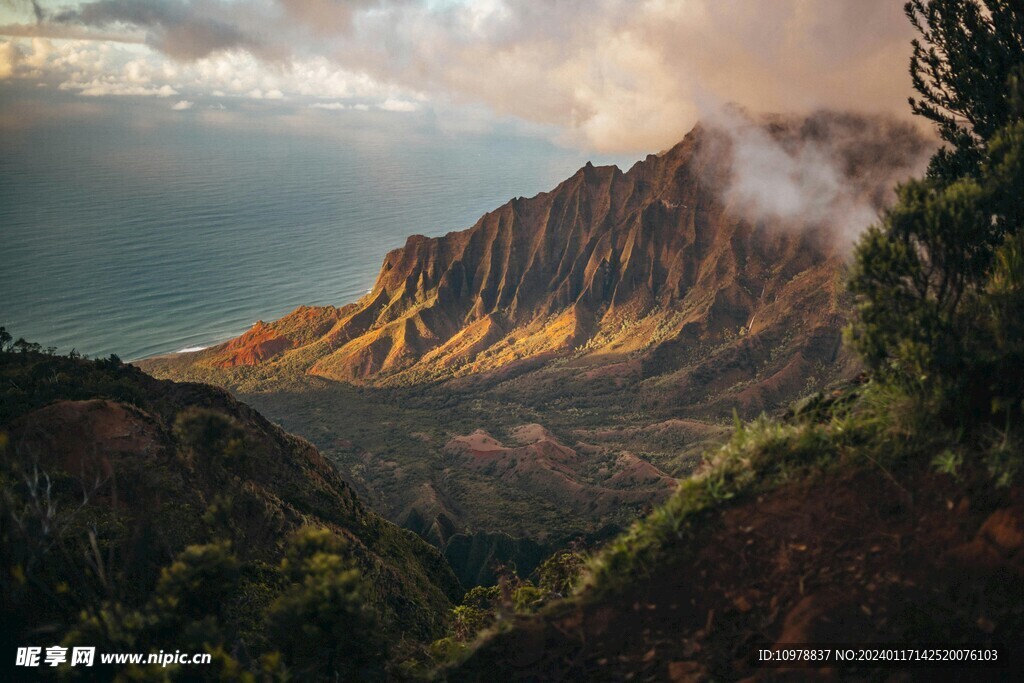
{"x":828,"y":171}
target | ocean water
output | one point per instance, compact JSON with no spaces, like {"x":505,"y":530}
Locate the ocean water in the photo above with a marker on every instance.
{"x":121,"y":238}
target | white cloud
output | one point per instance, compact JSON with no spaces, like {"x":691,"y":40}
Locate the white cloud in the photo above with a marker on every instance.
{"x":136,"y":71}
{"x":38,"y":57}
{"x":183,"y":105}
{"x":9,"y":58}
{"x":330,"y":106}
{"x":99,"y":69}
{"x":392,"y":104}
{"x":811,"y":172}
{"x":102,"y":88}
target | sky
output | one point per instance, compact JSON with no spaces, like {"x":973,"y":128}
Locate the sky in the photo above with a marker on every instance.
{"x":606,"y":76}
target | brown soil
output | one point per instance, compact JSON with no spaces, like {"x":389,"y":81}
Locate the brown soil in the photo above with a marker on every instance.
{"x":855,"y":558}
{"x":85,"y":437}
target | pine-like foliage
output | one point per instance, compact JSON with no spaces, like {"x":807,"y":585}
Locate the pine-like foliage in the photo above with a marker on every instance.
{"x":934,"y":280}
{"x":966,"y":67}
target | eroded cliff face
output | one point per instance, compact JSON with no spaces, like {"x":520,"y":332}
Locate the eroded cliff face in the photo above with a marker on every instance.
{"x":643,"y":266}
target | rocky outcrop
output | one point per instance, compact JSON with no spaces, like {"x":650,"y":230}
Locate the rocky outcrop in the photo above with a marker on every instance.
{"x":264,"y":341}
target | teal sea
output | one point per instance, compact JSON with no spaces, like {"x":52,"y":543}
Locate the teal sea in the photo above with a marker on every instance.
{"x":137,"y":240}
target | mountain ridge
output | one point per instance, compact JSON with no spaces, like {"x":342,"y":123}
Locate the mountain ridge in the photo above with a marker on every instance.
{"x":660,"y":249}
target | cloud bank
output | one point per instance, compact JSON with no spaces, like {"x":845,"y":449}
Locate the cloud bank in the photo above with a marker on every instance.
{"x":608,"y":75}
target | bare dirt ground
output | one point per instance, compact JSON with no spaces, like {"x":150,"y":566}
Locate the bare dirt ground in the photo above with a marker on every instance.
{"x":863,"y":557}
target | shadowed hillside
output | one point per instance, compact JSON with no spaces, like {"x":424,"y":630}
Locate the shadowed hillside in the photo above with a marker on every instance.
{"x":110,"y":476}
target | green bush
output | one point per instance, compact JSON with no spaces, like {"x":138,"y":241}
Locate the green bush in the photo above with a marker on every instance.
{"x":185,"y":612}
{"x":561,"y":572}
{"x":322,"y":622}
{"x":467,"y":621}
{"x":208,"y":435}
{"x":528,"y":598}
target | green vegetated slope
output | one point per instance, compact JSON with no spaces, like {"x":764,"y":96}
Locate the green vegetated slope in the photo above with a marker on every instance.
{"x":830,"y":527}
{"x":551,"y":372}
{"x":141,"y":513}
